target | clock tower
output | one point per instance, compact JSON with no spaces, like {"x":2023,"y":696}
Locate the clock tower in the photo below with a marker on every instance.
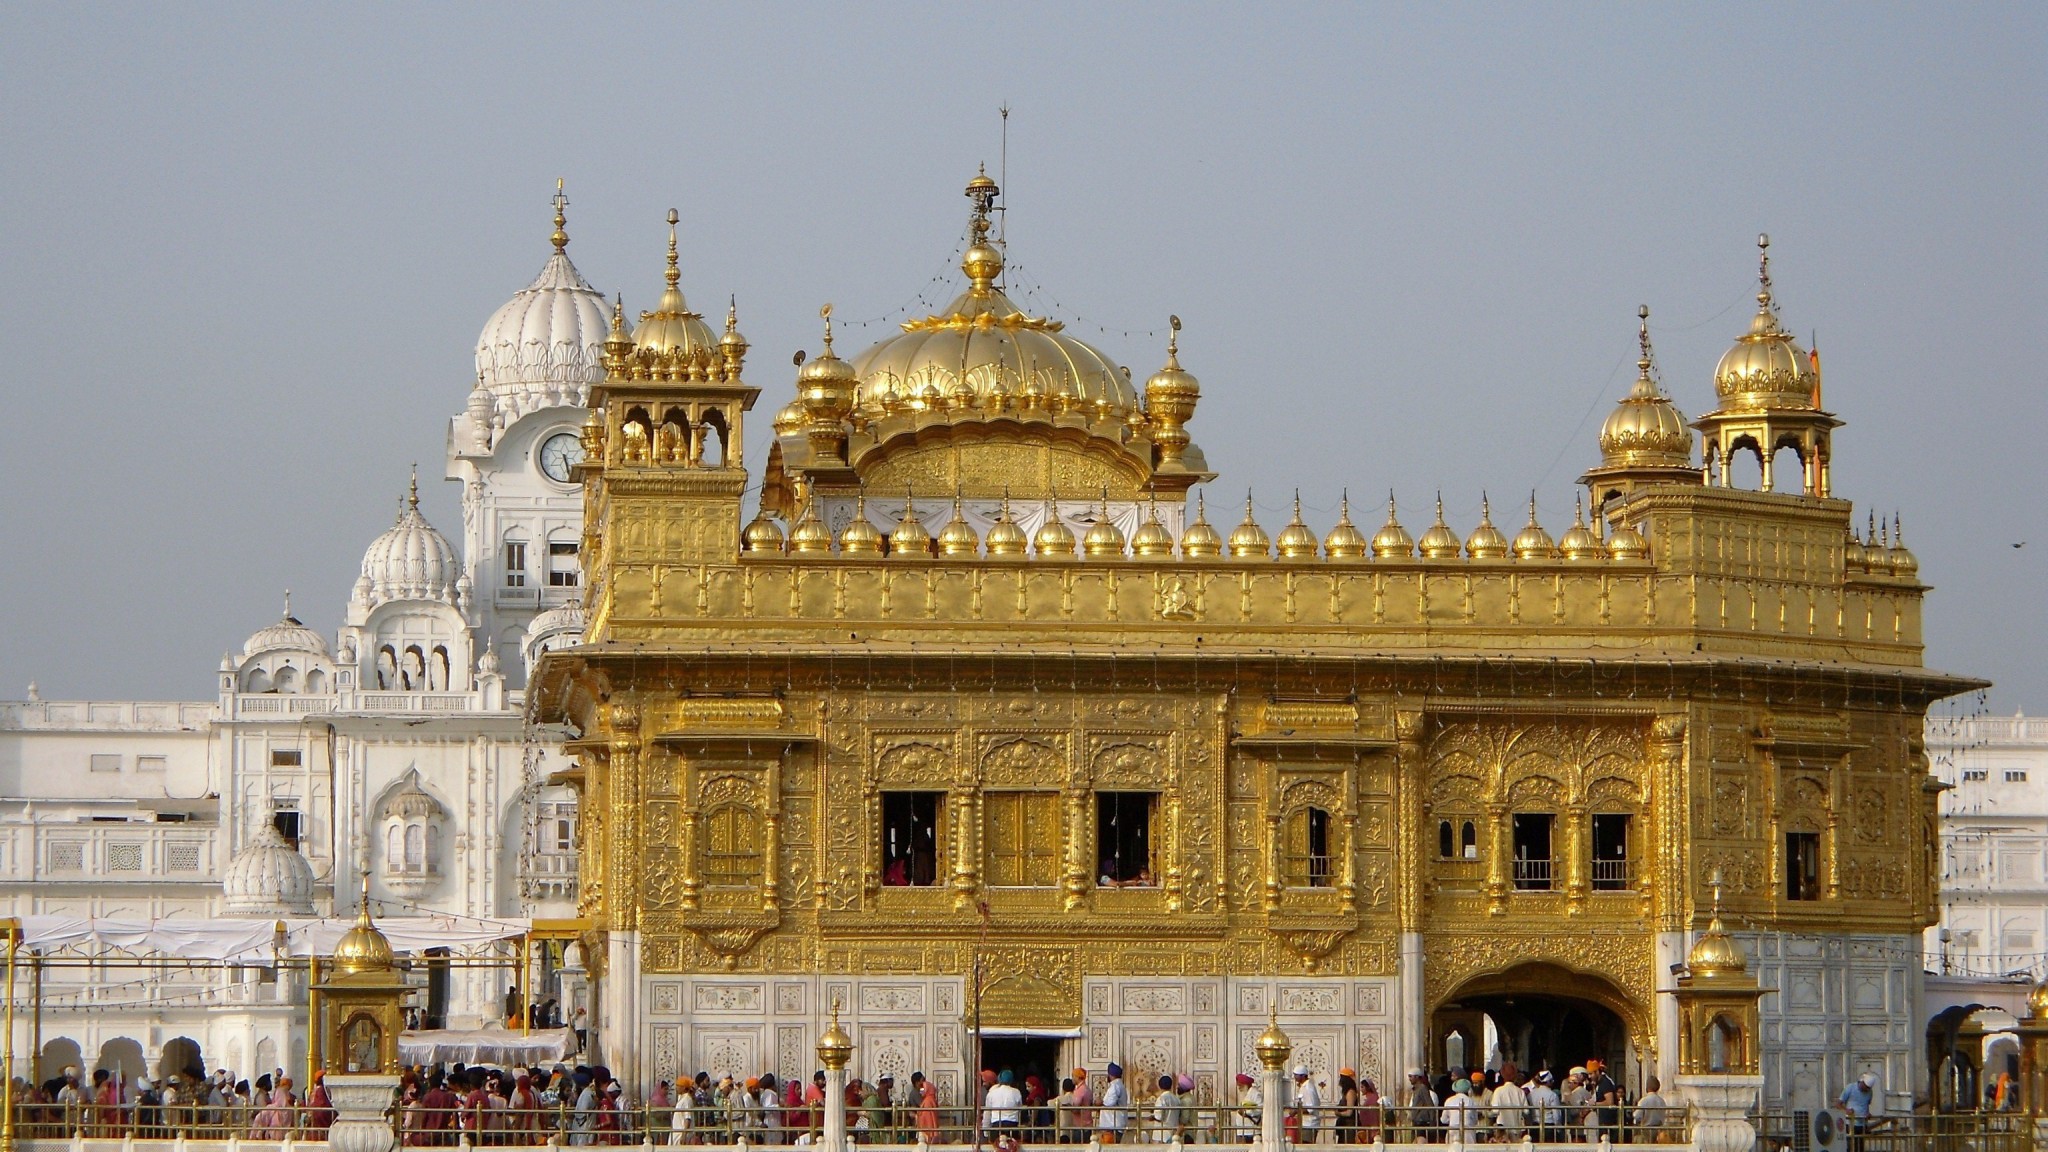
{"x":515,"y":448}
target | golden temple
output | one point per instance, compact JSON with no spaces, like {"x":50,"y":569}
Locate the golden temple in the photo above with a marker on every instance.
{"x":968,"y":727}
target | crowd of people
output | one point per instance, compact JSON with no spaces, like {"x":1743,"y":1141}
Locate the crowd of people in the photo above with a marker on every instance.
{"x":588,"y":1106}
{"x":189,"y":1103}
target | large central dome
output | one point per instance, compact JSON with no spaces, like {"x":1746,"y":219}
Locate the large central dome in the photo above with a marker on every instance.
{"x":984,"y":347}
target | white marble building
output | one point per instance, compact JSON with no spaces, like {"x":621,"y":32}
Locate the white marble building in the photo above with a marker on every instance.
{"x":397,"y":746}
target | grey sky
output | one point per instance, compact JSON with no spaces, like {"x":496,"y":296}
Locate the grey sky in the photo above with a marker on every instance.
{"x":245,"y":253}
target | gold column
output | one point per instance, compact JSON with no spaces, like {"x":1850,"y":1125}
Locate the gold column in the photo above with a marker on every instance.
{"x":966,"y":848}
{"x":771,"y":841}
{"x":1497,"y":857}
{"x":1414,"y":817}
{"x":1577,"y":851}
{"x":1669,"y":790}
{"x":12,"y":927}
{"x":1079,"y":847}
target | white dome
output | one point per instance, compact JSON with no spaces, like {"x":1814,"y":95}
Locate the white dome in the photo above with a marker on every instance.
{"x":268,"y":878}
{"x":410,"y":561}
{"x":545,"y":346}
{"x":287,"y":635}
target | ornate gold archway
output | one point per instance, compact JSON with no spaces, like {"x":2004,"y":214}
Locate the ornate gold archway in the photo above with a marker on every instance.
{"x":1543,"y":980}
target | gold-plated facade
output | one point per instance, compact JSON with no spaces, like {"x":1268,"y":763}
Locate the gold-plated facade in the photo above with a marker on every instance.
{"x":1333,"y":755}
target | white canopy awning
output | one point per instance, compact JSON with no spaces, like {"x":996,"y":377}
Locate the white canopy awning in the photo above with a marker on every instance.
{"x":498,"y":1046}
{"x":252,"y":941}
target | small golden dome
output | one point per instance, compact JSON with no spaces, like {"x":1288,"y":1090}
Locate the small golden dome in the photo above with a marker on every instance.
{"x":825,"y":385}
{"x":363,"y":948}
{"x":1645,"y":429}
{"x":1053,"y":539}
{"x":1532,"y":542}
{"x":1005,"y":538}
{"x":958,"y":537}
{"x":2037,"y":1001}
{"x":1273,"y":1047}
{"x":860,"y":537}
{"x":1903,"y":562}
{"x":1392,"y":541}
{"x":910,"y":541}
{"x":1716,"y":953}
{"x":1486,"y":542}
{"x":810,"y":536}
{"x":1200,"y":541}
{"x":1625,"y":543}
{"x":1345,"y":541}
{"x":835,"y":1047}
{"x":672,"y":328}
{"x":732,"y":345}
{"x":763,"y":534}
{"x":1766,"y":368}
{"x":618,"y":346}
{"x":1248,"y":541}
{"x":1152,"y":539}
{"x":1296,"y":542}
{"x":1855,"y":554}
{"x":1579,"y":543}
{"x":791,"y":419}
{"x":1439,"y":543}
{"x":1104,"y":539}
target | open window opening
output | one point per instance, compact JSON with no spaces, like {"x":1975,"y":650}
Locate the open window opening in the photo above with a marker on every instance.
{"x":1532,"y":851}
{"x":1123,"y":822}
{"x":1610,"y":851}
{"x":910,"y":839}
{"x":1802,"y":865}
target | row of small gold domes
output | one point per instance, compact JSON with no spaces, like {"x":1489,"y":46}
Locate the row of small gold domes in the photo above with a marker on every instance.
{"x":1152,"y":540}
{"x":1881,"y":553}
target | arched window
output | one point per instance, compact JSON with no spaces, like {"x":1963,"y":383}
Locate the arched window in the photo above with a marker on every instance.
{"x":714,"y":428}
{"x":256,"y":681}
{"x":412,"y":673}
{"x":732,"y":854}
{"x":1724,"y":1044}
{"x":394,"y":848}
{"x":287,"y":679}
{"x":415,"y":847}
{"x":1468,"y":842}
{"x":1306,"y":849}
{"x":387,"y":667}
{"x":437,"y":669}
{"x":316,"y":682}
{"x":1446,"y":840}
{"x":431,"y":862}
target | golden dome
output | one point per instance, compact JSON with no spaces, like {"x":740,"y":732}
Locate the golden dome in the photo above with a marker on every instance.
{"x":1625,"y":543}
{"x":1273,"y":1047}
{"x":1345,"y":541}
{"x":825,"y":385}
{"x":672,"y":327}
{"x":1903,"y":562}
{"x":2037,"y":1001}
{"x":835,"y":1047}
{"x":1486,"y":542}
{"x":1200,"y":541}
{"x":810,"y":536}
{"x":1645,"y":429}
{"x":1152,"y":539}
{"x":1532,"y":542}
{"x":1716,"y":953}
{"x":861,"y":537}
{"x":1392,"y":541}
{"x":732,"y":345}
{"x":1054,"y":538}
{"x":1766,"y":368}
{"x":983,"y":345}
{"x":1248,"y":541}
{"x":910,"y":541}
{"x":363,"y":948}
{"x":1439,"y":543}
{"x":763,"y":534}
{"x":1579,"y":543}
{"x":791,"y":419}
{"x":1005,"y":538}
{"x":958,"y":537}
{"x":1296,"y":541}
{"x":1855,"y":553}
{"x":1104,"y":539}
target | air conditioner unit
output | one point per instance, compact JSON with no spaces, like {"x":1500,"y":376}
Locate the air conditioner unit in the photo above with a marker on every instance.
{"x":1827,"y":1130}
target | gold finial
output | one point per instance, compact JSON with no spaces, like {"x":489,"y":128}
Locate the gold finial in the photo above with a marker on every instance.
{"x":1643,"y":339}
{"x":1173,"y":342}
{"x":674,"y":274}
{"x":561,"y":238}
{"x":732,"y":314}
{"x":363,"y":910}
{"x":835,"y":1047}
{"x":1273,"y":1047}
{"x":826,"y":313}
{"x":287,"y":603}
{"x":1763,"y":271}
{"x":412,"y":498}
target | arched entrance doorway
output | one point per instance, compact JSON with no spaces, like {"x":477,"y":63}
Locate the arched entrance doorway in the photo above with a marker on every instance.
{"x":1537,"y":1016}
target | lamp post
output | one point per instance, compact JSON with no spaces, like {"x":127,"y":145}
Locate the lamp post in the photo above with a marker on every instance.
{"x":1273,"y":1048}
{"x":835,"y":1048}
{"x":12,"y":926}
